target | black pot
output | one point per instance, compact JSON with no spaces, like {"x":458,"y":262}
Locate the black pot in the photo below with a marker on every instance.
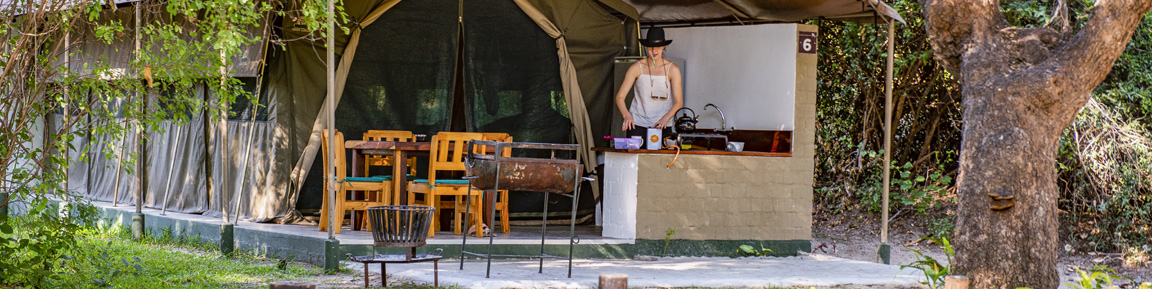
{"x":686,"y":124}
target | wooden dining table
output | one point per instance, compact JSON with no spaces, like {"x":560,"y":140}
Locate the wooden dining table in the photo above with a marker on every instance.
{"x":398,"y":150}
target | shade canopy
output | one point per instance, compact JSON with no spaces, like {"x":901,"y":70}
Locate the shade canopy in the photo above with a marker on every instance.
{"x":713,"y":12}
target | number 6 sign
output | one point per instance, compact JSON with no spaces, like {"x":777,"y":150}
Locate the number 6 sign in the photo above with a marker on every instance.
{"x":807,"y":42}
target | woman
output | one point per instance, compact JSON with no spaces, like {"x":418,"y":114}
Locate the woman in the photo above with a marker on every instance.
{"x":657,"y":83}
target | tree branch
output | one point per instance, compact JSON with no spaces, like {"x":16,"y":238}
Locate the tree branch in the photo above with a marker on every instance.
{"x":1094,"y":49}
{"x":953,"y":24}
{"x":1078,"y":63}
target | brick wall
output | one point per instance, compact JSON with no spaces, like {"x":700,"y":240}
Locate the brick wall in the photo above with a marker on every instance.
{"x":710,"y":197}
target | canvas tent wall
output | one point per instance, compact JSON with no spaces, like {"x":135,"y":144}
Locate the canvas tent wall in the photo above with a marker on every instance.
{"x":511,"y":78}
{"x":585,"y":36}
{"x":186,"y":151}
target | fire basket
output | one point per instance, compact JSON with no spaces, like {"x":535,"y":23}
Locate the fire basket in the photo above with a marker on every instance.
{"x":551,"y":175}
{"x":400,"y":226}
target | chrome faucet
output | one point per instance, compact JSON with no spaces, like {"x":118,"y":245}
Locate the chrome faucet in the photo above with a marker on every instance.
{"x":723,"y":120}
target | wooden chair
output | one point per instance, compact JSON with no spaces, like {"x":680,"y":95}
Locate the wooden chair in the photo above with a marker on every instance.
{"x":447,"y":155}
{"x":501,"y":205}
{"x":386,"y":161}
{"x":380,"y":184}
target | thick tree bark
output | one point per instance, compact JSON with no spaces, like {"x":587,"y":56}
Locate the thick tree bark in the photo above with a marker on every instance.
{"x":1021,"y":87}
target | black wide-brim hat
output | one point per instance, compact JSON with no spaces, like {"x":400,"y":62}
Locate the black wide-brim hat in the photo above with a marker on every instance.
{"x":655,"y":38}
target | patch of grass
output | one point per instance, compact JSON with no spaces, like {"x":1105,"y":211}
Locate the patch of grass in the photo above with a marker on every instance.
{"x":107,"y":257}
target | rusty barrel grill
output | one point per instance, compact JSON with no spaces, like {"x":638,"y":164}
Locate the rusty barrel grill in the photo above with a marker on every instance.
{"x":400,"y":226}
{"x":552,"y":175}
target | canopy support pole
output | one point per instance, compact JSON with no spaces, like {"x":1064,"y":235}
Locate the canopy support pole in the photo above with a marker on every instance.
{"x":141,"y":156}
{"x":171,"y":167}
{"x":222,"y":139}
{"x":885,"y":249}
{"x":251,"y":125}
{"x":331,"y":115}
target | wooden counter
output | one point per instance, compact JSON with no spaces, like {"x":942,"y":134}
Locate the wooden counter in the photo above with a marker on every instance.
{"x":693,"y":152}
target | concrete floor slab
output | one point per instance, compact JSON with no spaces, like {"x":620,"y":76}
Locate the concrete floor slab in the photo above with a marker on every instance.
{"x":801,"y":271}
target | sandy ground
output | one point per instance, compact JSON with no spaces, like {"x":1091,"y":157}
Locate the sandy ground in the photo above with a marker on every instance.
{"x":844,"y":256}
{"x":859,"y":239}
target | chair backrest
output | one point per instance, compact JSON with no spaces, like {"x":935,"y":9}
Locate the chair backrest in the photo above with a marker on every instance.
{"x":341,"y":169}
{"x":448,"y":152}
{"x":499,"y":137}
{"x":388,"y":135}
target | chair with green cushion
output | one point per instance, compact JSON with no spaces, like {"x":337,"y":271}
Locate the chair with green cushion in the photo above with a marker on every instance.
{"x":447,"y":155}
{"x":387,"y":161}
{"x":382,"y":185}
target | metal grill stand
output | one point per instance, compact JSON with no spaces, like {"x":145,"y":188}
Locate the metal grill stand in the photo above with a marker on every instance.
{"x":400,"y":226}
{"x":548,"y":175}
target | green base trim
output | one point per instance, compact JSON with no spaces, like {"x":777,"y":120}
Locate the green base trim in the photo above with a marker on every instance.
{"x":332,"y":255}
{"x":885,"y":253}
{"x":227,"y":239}
{"x":138,"y":226}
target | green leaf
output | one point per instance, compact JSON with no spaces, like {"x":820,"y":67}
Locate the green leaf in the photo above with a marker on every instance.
{"x":747,"y":249}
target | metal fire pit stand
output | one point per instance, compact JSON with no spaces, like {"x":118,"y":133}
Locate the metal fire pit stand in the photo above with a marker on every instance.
{"x":400,"y":226}
{"x":494,"y":172}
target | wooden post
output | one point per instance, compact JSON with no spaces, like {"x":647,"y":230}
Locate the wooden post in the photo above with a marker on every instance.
{"x":956,"y":282}
{"x":613,"y":281}
{"x":291,"y":285}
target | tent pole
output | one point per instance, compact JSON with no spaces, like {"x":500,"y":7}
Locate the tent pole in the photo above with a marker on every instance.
{"x":67,"y":123}
{"x":141,"y":157}
{"x":206,"y":130}
{"x":119,"y":167}
{"x":171,"y":167}
{"x":252,"y":119}
{"x":222,"y":134}
{"x":331,"y":115}
{"x":247,"y":151}
{"x":244,"y":165}
{"x":885,"y":254}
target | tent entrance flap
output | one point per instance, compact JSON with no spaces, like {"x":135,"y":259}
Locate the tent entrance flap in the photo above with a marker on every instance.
{"x":400,"y":77}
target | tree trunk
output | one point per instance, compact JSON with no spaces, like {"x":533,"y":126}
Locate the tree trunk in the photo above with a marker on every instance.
{"x":1007,"y":155}
{"x":1021,"y":87}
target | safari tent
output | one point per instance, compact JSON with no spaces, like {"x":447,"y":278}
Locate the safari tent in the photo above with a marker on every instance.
{"x":540,"y":70}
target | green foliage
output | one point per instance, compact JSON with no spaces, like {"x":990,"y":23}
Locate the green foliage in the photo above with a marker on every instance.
{"x":748,"y":250}
{"x":850,"y":111}
{"x":34,"y":244}
{"x":105,"y":256}
{"x":1103,"y":161}
{"x":1105,"y":156}
{"x":1128,"y":88}
{"x":1042,"y":13}
{"x":916,"y":192}
{"x":942,"y":227}
{"x":667,"y":241}
{"x":1104,"y":164}
{"x":183,"y":43}
{"x":934,"y":271}
{"x":1100,"y":277}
